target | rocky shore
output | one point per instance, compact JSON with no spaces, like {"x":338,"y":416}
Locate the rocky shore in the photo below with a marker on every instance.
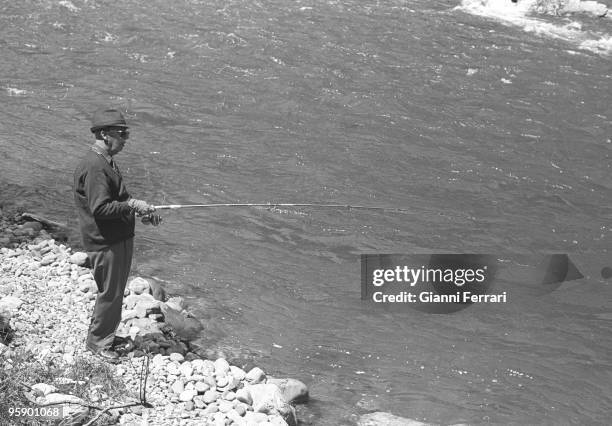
{"x":46,"y":299}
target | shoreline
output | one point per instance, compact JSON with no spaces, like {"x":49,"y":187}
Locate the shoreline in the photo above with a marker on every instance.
{"x":47,"y":295}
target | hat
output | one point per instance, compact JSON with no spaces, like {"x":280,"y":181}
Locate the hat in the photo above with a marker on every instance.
{"x":106,"y":118}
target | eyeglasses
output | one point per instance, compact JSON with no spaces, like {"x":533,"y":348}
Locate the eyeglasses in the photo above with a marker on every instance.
{"x":122,"y":132}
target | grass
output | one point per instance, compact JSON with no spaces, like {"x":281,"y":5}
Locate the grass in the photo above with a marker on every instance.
{"x":89,"y":379}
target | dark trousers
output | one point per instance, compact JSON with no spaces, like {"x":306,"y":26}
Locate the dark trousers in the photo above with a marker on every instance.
{"x":111,"y":268}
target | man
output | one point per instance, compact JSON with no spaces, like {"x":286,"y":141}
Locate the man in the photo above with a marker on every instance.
{"x":107,"y":219}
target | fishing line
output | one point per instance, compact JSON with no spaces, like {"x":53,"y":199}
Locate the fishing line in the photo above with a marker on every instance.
{"x":274,"y":205}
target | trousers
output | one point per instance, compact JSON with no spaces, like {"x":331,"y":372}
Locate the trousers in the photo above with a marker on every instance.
{"x":111,"y":268}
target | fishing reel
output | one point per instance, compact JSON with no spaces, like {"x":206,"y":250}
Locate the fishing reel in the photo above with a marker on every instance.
{"x":151,"y":219}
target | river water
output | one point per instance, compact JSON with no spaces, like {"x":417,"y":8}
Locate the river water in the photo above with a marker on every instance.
{"x":490,"y":122}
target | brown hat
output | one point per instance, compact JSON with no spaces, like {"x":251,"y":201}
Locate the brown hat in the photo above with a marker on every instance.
{"x":106,"y":118}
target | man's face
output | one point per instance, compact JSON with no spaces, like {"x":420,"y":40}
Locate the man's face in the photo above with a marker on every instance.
{"x":116,"y":139}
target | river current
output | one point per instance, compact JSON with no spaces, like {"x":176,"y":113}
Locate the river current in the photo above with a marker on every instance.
{"x":489,"y":121}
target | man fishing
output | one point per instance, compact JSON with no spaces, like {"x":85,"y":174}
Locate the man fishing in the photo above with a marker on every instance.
{"x":106,"y":214}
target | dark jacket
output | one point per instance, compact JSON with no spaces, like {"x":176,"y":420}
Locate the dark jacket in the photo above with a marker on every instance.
{"x":101,"y":201}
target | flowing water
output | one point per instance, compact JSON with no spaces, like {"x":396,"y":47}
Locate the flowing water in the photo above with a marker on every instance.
{"x":490,"y":121}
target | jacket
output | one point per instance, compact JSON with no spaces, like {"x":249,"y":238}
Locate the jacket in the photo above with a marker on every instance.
{"x":101,"y":201}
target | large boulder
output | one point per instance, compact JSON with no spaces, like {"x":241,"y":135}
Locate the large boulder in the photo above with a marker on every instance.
{"x":268,"y":399}
{"x":156,"y":289}
{"x":185,"y":327}
{"x":294,"y":391}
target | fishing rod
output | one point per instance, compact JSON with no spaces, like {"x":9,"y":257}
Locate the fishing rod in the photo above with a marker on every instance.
{"x":275,"y":205}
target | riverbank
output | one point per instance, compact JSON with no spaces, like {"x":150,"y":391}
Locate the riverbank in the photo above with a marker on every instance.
{"x":46,"y":298}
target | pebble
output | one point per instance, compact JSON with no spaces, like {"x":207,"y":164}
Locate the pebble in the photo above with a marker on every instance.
{"x":202,"y":387}
{"x":176,"y":357}
{"x":210,"y":396}
{"x":243,"y":395}
{"x":178,"y":387}
{"x":173,"y":368}
{"x":225,"y":406}
{"x":186,"y":369}
{"x":47,"y":260}
{"x":222,"y":381}
{"x":79,"y":258}
{"x":222,"y":367}
{"x":255,"y":375}
{"x":187,"y":395}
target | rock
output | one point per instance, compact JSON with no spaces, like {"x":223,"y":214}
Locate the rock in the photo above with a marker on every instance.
{"x":156,"y":290}
{"x":186,"y":369}
{"x":146,"y":307}
{"x":294,"y":391}
{"x":184,"y":327}
{"x":178,"y":387}
{"x":222,"y":381}
{"x":138,"y":285}
{"x":173,"y":368}
{"x":222,"y":367}
{"x":388,"y":419}
{"x":159,"y":360}
{"x":190,"y":356}
{"x":34,"y":226}
{"x":240,"y":409}
{"x":267,"y":398}
{"x":79,"y":258}
{"x":176,"y":303}
{"x":225,"y":406}
{"x":187,"y":395}
{"x":277,"y":421}
{"x":145,"y":326}
{"x":243,"y":395}
{"x":131,"y":300}
{"x":44,"y":388}
{"x":233,"y":415}
{"x":210,"y":396}
{"x":255,"y":375}
{"x":48,"y":259}
{"x":237,"y":372}
{"x":156,"y":317}
{"x":257,"y":418}
{"x":128,"y":314}
{"x":199,"y":402}
{"x":87,"y":276}
{"x":10,"y":303}
{"x":201,"y":387}
{"x":176,"y":357}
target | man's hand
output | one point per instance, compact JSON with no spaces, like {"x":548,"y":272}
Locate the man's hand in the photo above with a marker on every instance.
{"x":152,"y":219}
{"x":141,"y":208}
